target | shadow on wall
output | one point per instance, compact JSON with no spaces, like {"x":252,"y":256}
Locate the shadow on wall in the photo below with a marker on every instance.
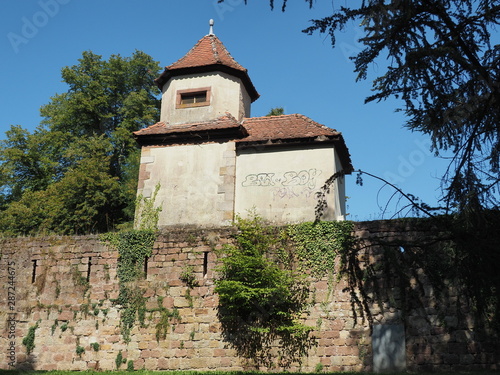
{"x":28,"y":364}
{"x":416,"y":282}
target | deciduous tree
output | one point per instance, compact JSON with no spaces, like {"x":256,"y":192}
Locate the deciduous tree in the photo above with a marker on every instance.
{"x":77,"y":172}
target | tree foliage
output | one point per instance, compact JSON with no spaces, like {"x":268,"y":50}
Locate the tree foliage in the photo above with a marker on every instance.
{"x":442,"y":64}
{"x":77,"y":172}
{"x":276,"y":111}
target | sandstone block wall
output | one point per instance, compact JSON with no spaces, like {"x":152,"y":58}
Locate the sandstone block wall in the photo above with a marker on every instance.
{"x":65,"y":286}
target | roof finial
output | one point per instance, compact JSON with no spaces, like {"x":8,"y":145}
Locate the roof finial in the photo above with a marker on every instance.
{"x":211,"y":23}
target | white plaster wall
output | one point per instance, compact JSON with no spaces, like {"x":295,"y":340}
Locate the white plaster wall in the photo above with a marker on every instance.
{"x":228,"y":94}
{"x":195,"y":183}
{"x":281,"y":184}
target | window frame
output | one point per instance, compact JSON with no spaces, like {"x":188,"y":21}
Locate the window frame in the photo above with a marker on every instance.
{"x":181,"y":93}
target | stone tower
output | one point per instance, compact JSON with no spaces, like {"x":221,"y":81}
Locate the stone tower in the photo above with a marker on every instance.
{"x":212,"y":161}
{"x":205,"y":84}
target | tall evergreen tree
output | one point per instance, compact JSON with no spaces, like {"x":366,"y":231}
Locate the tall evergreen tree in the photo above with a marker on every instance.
{"x":442,"y":64}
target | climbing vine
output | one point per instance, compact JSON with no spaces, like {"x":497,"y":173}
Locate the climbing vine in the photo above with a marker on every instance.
{"x":164,"y":322}
{"x":188,"y":277}
{"x":29,"y":339}
{"x":134,"y":247}
{"x":329,"y":248}
{"x":319,"y":245}
{"x":79,"y":280}
{"x":147,"y":214}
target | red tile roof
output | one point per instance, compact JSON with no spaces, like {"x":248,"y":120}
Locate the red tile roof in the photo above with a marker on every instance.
{"x":284,"y":127}
{"x":208,"y":51}
{"x":161,"y":128}
{"x":208,"y":55}
{"x":268,"y":130}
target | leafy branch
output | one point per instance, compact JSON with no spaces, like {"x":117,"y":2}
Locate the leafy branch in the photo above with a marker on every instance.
{"x":324,"y":190}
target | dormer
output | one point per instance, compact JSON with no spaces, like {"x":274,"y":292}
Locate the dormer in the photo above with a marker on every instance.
{"x":205,"y":84}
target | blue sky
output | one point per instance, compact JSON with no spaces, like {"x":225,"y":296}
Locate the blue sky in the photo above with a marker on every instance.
{"x":300,"y":73}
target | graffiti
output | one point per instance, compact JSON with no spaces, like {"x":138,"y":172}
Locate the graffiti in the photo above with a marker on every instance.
{"x":302,"y":178}
{"x":290,"y":192}
{"x":288,"y":179}
{"x":261,"y":179}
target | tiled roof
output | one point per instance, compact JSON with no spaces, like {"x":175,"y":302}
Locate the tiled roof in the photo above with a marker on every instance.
{"x":208,"y":55}
{"x":284,"y":127}
{"x":208,"y":51}
{"x":258,"y":128}
{"x":268,"y":130}
{"x":161,"y":128}
{"x":277,"y":130}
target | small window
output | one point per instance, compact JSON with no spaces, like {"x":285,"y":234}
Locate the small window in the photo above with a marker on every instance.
{"x":33,"y":272}
{"x":89,"y":268}
{"x":193,"y":98}
{"x":205,"y":263}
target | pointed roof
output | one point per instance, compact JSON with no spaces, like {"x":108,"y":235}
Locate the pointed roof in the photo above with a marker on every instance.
{"x":209,"y":50}
{"x":267,"y":131}
{"x":208,"y":55}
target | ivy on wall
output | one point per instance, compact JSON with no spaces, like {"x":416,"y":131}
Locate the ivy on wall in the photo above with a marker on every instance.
{"x":318,"y":245}
{"x":134,"y":247}
{"x":329,"y":248}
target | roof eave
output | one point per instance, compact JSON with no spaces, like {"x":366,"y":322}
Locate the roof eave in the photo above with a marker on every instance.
{"x":243,"y":75}
{"x":192,"y":136}
{"x":336,"y":140}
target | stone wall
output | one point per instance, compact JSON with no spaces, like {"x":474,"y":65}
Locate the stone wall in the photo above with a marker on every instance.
{"x":441,"y":330}
{"x":65,"y":286}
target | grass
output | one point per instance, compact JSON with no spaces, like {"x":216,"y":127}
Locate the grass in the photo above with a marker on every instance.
{"x":147,"y":372}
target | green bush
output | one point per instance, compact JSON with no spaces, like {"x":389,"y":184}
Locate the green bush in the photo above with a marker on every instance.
{"x":29,"y":339}
{"x":261,"y":299}
{"x":80,"y":350}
